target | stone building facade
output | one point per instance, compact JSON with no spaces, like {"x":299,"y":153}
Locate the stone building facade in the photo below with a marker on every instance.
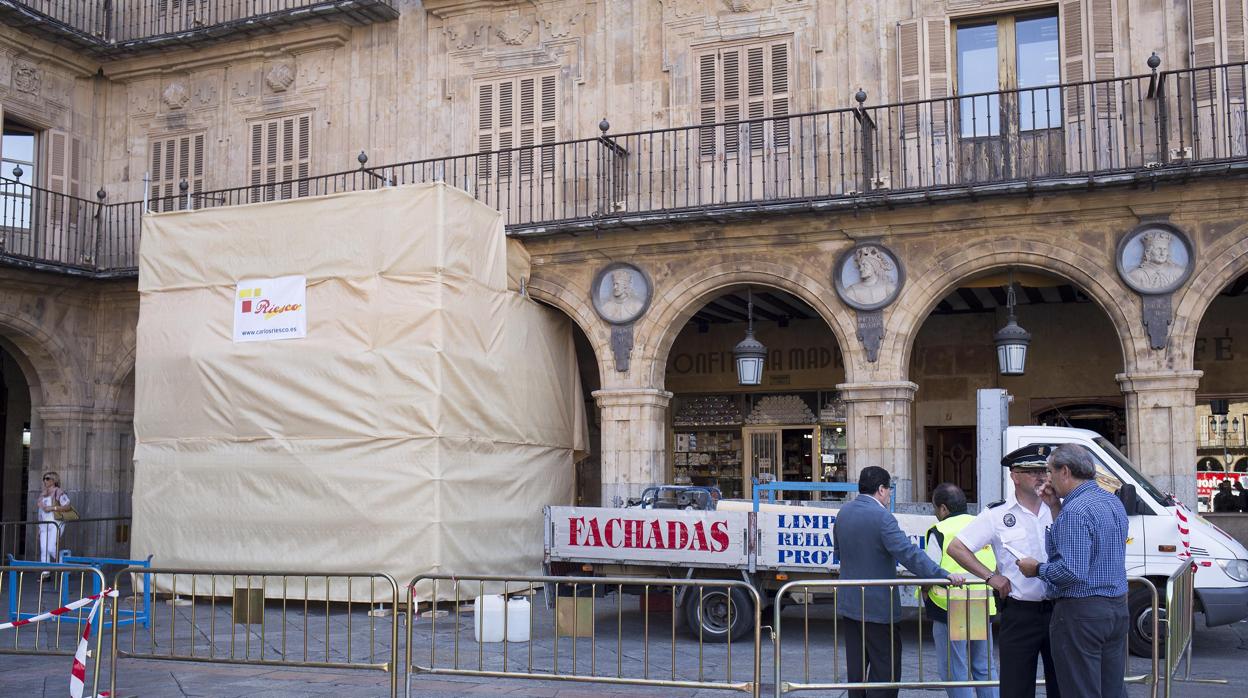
{"x":860,"y":136}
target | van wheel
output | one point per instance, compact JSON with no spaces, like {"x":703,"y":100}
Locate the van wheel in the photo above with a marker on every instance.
{"x":1140,"y":625}
{"x":707,"y":610}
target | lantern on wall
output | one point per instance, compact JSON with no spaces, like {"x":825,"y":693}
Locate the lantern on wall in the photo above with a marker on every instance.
{"x":1012,"y":340}
{"x":749,"y":352}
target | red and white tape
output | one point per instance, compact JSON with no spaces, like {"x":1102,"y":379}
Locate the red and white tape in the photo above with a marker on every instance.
{"x":77,"y":674}
{"x":1185,"y":532}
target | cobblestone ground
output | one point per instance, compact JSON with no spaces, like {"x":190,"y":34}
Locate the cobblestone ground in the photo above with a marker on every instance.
{"x":629,"y":643}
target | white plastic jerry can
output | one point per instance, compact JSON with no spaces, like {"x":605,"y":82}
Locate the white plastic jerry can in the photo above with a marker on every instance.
{"x":487,"y":618}
{"x":518,"y":611}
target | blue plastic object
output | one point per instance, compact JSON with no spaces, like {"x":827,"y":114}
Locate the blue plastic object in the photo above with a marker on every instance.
{"x":771,"y":488}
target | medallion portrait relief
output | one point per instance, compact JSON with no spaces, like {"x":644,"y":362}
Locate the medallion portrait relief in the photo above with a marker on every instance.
{"x":1155,"y":258}
{"x":621,"y":293}
{"x":868,"y":277}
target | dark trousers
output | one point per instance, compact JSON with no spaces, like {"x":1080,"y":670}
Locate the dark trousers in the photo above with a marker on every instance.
{"x":883,"y":656}
{"x":1089,"y":639}
{"x":1024,"y":636}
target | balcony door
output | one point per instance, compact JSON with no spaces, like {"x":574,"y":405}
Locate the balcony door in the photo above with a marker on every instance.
{"x":1008,"y":111}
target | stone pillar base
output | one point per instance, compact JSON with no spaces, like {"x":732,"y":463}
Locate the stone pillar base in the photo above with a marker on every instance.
{"x":634,"y":441}
{"x":879,"y":430}
{"x":1161,"y":428}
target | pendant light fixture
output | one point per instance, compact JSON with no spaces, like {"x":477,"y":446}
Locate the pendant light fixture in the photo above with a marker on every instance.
{"x":749,"y":352}
{"x":1012,"y":340}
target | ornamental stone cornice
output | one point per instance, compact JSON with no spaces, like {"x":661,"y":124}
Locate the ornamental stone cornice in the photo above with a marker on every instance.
{"x":443,"y":9}
{"x":273,"y":46}
{"x":630,"y":397}
{"x":878,"y":391}
{"x":45,"y":55}
{"x":1150,"y":381}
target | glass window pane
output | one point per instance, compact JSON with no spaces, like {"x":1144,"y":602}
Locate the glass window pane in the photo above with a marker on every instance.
{"x":19,"y":146}
{"x":1038,"y":65}
{"x":977,"y":72}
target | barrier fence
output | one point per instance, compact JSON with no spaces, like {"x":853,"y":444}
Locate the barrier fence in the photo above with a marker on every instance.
{"x":1180,"y":603}
{"x":281,"y":613}
{"x":586,"y":633}
{"x":30,"y":598}
{"x":105,"y":536}
{"x":968,"y":620}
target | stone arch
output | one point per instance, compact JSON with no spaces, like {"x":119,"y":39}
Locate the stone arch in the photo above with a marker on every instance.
{"x":657,"y":331}
{"x":923,"y":292}
{"x":1221,"y":263}
{"x":120,"y":380}
{"x":556,"y":293}
{"x":42,"y":358}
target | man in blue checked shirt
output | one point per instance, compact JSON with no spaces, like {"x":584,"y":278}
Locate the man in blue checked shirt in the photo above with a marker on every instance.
{"x":1086,"y":576}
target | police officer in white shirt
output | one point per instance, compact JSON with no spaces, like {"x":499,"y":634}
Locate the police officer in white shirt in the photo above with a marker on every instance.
{"x":1015,"y":529}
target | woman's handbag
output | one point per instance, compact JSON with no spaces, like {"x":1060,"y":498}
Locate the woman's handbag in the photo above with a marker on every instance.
{"x":69,"y":514}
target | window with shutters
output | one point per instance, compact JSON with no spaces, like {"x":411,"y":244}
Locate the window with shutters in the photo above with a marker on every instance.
{"x":281,"y":157}
{"x":17,"y":167}
{"x":1008,"y":53}
{"x":515,"y":116}
{"x":740,"y":83}
{"x":172,"y":160}
{"x":1217,"y":35}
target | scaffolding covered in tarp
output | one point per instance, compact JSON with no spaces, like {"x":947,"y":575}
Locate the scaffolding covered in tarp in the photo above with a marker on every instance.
{"x":419,"y":427}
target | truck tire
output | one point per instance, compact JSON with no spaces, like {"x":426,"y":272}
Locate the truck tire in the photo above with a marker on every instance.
{"x":1140,"y":622}
{"x":707,"y":611}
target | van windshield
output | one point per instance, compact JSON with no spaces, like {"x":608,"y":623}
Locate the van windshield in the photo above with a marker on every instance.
{"x":1141,"y":483}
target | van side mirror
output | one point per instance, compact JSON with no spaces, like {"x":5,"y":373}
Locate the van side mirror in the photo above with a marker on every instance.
{"x":1130,"y":501}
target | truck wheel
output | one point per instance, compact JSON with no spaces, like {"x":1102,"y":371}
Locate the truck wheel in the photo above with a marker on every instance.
{"x":1140,"y":623}
{"x":708,"y":609}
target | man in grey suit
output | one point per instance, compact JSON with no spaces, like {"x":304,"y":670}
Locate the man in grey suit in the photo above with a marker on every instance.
{"x":870,"y":544}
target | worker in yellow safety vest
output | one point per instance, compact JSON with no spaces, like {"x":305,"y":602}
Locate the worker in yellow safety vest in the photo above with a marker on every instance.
{"x":967,"y":658}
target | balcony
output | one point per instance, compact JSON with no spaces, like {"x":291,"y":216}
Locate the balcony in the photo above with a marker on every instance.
{"x":1138,"y":131}
{"x":117,"y":28}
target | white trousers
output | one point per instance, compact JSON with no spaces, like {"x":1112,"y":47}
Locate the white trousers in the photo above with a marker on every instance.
{"x":49,"y":541}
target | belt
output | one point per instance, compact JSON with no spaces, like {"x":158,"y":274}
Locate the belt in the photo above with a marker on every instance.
{"x":1044,"y":606}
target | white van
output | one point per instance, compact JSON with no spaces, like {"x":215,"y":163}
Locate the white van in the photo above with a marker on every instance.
{"x":1155,"y":544}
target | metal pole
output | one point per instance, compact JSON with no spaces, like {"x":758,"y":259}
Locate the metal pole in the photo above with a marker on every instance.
{"x":147,"y":186}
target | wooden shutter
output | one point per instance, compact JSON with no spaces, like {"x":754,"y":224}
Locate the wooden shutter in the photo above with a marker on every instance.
{"x":938,"y":77}
{"x":281,"y":151}
{"x":708,"y":100}
{"x":521,"y":113}
{"x":1204,"y":32}
{"x":780,"y":93}
{"x":910,"y":72}
{"x":64,"y":166}
{"x":739,"y":83}
{"x":171,"y":160}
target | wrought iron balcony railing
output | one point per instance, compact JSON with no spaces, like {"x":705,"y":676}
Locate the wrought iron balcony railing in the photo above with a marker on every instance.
{"x":1125,"y":131}
{"x":113,"y":27}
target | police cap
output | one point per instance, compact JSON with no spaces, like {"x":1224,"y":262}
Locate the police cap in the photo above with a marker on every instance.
{"x":1033,"y":457}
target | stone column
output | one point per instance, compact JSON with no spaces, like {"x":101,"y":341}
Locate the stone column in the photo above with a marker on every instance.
{"x":1161,"y":428}
{"x":879,"y":416}
{"x":86,"y":447}
{"x":634,"y":441}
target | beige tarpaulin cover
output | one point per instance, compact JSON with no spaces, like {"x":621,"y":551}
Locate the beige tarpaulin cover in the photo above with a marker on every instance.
{"x":420,"y":426}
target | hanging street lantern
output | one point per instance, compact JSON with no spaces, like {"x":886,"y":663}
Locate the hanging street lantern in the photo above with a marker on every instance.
{"x":749,"y":352}
{"x":1012,"y":340}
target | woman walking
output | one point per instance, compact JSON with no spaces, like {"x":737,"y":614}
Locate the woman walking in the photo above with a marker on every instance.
{"x":51,"y":500}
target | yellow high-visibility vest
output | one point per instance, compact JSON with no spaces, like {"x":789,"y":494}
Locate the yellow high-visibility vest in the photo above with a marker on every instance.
{"x":945,"y":532}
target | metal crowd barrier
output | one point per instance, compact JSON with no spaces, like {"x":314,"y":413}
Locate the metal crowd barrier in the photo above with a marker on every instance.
{"x":26,"y":594}
{"x":104,"y":536}
{"x":280,"y":613}
{"x":583,"y":636}
{"x":970,"y":616}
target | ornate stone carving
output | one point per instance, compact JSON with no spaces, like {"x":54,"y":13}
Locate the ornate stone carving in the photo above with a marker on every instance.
{"x":871,"y":332}
{"x":205,"y":93}
{"x":27,"y":78}
{"x":514,"y":29}
{"x":142,"y":99}
{"x":621,"y":293}
{"x":739,"y":5}
{"x":243,"y":86}
{"x":561,"y":24}
{"x":622,"y":346}
{"x":312,"y":71}
{"x":685,"y":8}
{"x":175,"y":95}
{"x":464,"y":35}
{"x":280,"y":77}
{"x":868,"y":277}
{"x":1155,"y":260}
